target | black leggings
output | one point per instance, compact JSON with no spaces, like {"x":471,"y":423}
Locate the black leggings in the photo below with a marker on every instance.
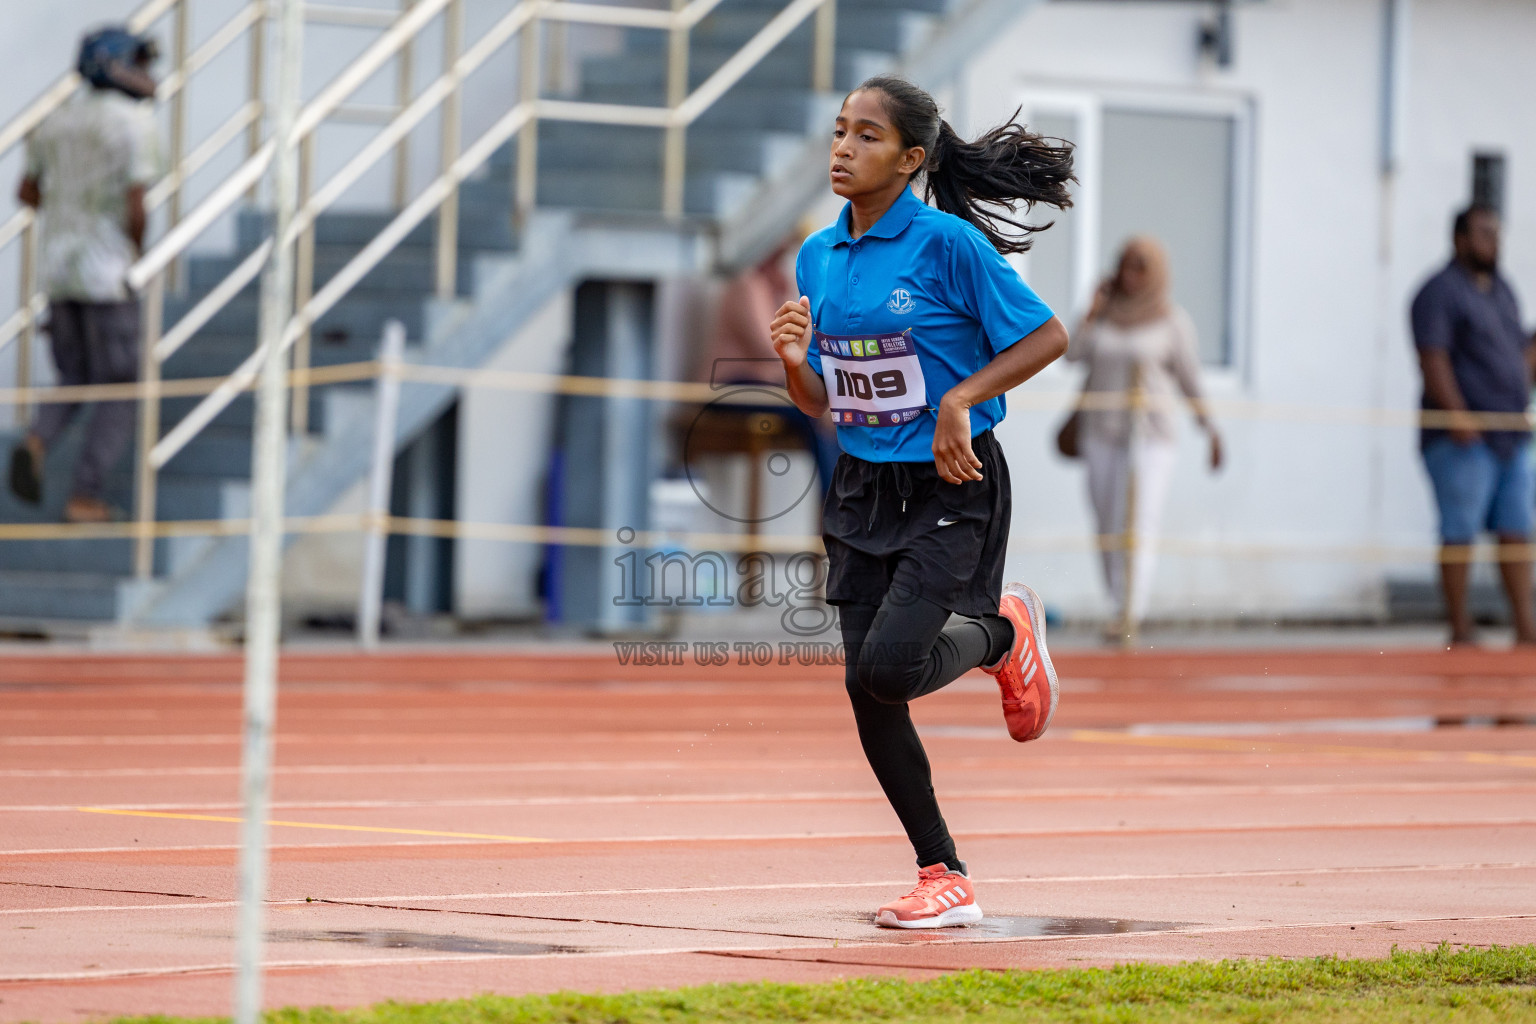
{"x":896,"y":653}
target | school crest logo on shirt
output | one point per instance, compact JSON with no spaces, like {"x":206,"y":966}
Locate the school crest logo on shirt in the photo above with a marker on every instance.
{"x":900,"y":301}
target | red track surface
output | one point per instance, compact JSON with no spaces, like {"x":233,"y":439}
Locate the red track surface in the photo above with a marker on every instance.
{"x":705,"y":824}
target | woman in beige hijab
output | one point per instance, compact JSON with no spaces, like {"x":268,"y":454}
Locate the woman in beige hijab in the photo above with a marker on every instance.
{"x":1134,"y":332}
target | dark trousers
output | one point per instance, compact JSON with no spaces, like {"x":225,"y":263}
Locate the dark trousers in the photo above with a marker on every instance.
{"x":896,"y":653}
{"x":93,"y":343}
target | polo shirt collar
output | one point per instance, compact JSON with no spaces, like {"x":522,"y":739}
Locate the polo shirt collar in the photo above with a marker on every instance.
{"x":891,"y":223}
{"x":1467,"y":277}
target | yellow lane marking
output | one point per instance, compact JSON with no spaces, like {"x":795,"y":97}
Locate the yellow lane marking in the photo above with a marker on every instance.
{"x":320,"y":825}
{"x":1256,"y":745}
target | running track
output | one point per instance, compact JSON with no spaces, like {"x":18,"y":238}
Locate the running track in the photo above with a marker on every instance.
{"x":451,"y":824}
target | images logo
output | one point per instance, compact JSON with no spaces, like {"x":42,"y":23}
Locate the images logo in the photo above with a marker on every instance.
{"x":900,"y":301}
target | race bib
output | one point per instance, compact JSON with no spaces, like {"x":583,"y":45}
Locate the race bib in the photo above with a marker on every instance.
{"x":872,"y":381}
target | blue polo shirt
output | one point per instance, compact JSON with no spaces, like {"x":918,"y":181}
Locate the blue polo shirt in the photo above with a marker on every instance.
{"x":1487,"y":343}
{"x":929,"y":273}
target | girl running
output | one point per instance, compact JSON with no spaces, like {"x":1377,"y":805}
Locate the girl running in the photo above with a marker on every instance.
{"x":910,"y":328}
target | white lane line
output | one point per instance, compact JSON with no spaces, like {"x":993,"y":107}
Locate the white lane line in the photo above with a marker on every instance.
{"x":840,"y":944}
{"x":752,"y":765}
{"x":831,"y":796}
{"x":219,"y":968}
{"x":314,"y":693}
{"x":1279,"y":727}
{"x":817,"y":837}
{"x":356,"y":739}
{"x":1302,"y":925}
{"x":1162,"y":757}
{"x":329,"y":713}
{"x":223,"y":847}
{"x":197,"y":903}
{"x":1407,"y":723}
{"x":1025,"y":880}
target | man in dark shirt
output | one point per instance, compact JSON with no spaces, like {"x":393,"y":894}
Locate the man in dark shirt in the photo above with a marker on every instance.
{"x":1476,"y":358}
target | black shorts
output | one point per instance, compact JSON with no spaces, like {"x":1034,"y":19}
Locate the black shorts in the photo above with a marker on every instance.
{"x":900,"y":524}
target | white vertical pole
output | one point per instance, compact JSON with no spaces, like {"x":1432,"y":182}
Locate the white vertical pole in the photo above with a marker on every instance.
{"x":674,"y":158}
{"x":405,"y":87}
{"x":626,"y":435}
{"x":179,"y":40}
{"x":1395,"y":59}
{"x":449,"y":141}
{"x":528,"y":136}
{"x":824,"y":48}
{"x":1394,"y":81}
{"x":1130,"y":542}
{"x":262,"y":605}
{"x":386,"y":410}
{"x":152,"y":318}
{"x":29,"y":321}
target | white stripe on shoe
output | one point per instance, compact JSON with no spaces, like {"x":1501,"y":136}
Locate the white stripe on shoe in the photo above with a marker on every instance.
{"x":1035,"y":608}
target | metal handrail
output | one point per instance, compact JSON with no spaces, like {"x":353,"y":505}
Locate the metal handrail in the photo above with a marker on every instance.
{"x":744,"y":60}
{"x":223,"y":37}
{"x":240,"y":121}
{"x":342,"y":14}
{"x":149,"y":275}
{"x":177,"y":240}
{"x":330,"y":99}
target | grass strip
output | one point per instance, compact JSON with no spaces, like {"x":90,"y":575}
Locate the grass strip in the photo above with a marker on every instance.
{"x":1444,"y":984}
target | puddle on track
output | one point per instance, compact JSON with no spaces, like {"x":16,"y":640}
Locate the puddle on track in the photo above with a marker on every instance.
{"x":989,"y":927}
{"x":1000,"y":927}
{"x":426,"y":940}
{"x":1029,"y":927}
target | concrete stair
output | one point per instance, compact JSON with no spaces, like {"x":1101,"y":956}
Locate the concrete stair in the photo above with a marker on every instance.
{"x":749,"y":158}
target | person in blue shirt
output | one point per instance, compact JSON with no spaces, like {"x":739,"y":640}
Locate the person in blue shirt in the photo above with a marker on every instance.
{"x":1477,"y":358}
{"x":910,"y":328}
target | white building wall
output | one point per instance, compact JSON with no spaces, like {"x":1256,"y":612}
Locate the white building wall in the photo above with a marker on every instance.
{"x":1327,"y":316}
{"x":1326,"y":319}
{"x":504,"y":441}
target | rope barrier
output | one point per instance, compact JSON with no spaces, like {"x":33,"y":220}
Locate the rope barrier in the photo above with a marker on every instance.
{"x":187,"y":387}
{"x":694,"y":544}
{"x":749,"y":394}
{"x":572,"y":536}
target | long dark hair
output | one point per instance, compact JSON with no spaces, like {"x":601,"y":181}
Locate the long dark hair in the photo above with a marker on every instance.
{"x":980,"y":182}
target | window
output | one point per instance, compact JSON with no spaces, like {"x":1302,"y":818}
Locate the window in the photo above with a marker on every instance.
{"x":1053,"y":254}
{"x":1174,"y":168}
{"x":1488,"y":180}
{"x":1170,"y":176}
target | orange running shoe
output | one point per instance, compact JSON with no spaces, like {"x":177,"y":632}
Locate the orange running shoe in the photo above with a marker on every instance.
{"x":943,"y":899}
{"x":1025,"y":674}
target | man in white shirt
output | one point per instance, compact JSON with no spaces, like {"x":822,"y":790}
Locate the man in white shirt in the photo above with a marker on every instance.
{"x":88,"y":165}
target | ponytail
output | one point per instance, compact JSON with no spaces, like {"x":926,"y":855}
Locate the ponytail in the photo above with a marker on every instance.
{"x":981,"y":182}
